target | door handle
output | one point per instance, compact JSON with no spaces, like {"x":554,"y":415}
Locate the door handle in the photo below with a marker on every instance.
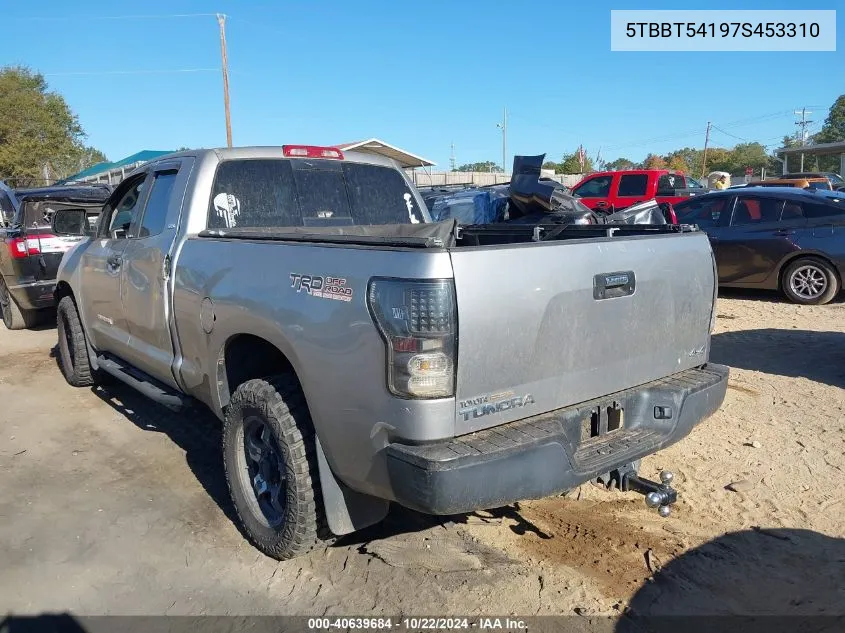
{"x":601,"y":204}
{"x":783,"y":232}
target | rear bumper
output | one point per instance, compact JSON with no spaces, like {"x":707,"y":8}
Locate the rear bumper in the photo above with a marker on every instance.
{"x":554,"y":452}
{"x":34,"y":295}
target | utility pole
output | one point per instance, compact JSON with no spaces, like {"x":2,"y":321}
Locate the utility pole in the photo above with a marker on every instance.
{"x":706,"y":142}
{"x":452,"y":158}
{"x":504,"y":127}
{"x":803,"y":123}
{"x":221,"y":20}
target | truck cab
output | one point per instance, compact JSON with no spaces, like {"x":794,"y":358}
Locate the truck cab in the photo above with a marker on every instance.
{"x":611,"y":191}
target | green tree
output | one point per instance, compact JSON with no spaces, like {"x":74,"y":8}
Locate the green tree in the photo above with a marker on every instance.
{"x":688,"y":156}
{"x":569,"y":164}
{"x":487,"y":165}
{"x":718,"y":159}
{"x":620,"y":164}
{"x":40,"y":137}
{"x":653,"y":161}
{"x":677,"y":163}
{"x":833,"y":129}
{"x":745,"y":155}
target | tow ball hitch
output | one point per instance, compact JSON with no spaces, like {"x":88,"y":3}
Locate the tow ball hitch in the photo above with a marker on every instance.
{"x":657,"y":495}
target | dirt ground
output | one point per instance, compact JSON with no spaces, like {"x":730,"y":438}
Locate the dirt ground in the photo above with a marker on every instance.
{"x":110,"y":504}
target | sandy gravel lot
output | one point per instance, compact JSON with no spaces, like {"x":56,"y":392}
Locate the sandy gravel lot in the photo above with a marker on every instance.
{"x":111,"y":504}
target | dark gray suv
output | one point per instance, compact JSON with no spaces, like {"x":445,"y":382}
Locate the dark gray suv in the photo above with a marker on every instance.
{"x":31,"y":254}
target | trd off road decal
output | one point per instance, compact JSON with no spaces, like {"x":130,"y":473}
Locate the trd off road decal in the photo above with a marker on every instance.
{"x":322,"y":287}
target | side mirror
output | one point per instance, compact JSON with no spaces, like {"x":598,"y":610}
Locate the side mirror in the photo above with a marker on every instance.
{"x":73,"y":222}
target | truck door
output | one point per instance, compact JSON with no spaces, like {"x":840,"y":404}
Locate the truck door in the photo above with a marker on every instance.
{"x":101,"y":265}
{"x":633,"y":188}
{"x":594,"y":191}
{"x":146,"y":270}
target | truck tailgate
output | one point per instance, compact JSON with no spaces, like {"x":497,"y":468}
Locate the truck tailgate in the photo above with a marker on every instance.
{"x":546,"y":325}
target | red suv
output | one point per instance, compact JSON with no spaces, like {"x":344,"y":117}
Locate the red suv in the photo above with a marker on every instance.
{"x":611,"y":191}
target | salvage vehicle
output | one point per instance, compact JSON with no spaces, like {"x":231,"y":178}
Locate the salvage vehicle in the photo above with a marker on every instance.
{"x":360,"y":354}
{"x":798,"y":183}
{"x":32,"y":253}
{"x":775,"y":238}
{"x":611,"y":191}
{"x":835,"y":180}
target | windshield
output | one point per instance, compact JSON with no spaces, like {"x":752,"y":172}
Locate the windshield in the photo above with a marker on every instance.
{"x":835,"y":179}
{"x":692,"y":183}
{"x":315,"y":193}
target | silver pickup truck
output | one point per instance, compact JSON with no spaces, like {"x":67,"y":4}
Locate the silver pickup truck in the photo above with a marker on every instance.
{"x":359,"y":353}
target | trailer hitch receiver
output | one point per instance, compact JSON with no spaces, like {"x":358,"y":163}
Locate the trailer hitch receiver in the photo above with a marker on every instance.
{"x":657,"y":495}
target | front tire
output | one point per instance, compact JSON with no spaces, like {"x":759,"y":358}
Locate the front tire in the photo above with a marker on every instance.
{"x":73,"y":350}
{"x":13,"y":317}
{"x":810,"y":281}
{"x":271,"y":467}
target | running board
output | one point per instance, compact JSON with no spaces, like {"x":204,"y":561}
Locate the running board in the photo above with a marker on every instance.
{"x":144,"y":383}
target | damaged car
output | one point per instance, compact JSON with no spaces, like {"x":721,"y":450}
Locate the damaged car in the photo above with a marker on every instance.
{"x":32,"y":252}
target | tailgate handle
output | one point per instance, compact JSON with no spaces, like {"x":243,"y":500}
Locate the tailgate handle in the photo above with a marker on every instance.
{"x":616,"y":284}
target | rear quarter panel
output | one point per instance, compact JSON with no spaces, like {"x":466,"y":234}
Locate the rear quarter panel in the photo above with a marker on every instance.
{"x":333,"y":345}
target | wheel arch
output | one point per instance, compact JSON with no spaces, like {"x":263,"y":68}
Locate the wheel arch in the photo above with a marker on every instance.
{"x":245,"y":356}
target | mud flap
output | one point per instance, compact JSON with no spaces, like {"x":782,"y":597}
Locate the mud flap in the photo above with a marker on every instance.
{"x":346,"y":510}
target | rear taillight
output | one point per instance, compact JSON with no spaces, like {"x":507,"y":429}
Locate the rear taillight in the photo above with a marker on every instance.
{"x":418,"y":321}
{"x":311,"y":151}
{"x":20,"y":247}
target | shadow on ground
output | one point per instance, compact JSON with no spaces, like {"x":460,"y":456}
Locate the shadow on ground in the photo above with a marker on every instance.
{"x":769,"y":296}
{"x":771,"y":572}
{"x":402,"y":521}
{"x":196,"y":431}
{"x":819,"y":356}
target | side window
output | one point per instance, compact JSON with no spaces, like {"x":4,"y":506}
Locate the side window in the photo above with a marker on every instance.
{"x":791,"y":211}
{"x":819,"y":185}
{"x":598,"y":187}
{"x":155,"y":213}
{"x":749,"y":210}
{"x":704,"y":211}
{"x":668,"y":183}
{"x":815,"y":210}
{"x":633,"y":185}
{"x":126,"y":210}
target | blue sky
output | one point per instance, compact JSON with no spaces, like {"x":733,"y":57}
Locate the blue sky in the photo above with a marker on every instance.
{"x":418,"y":75}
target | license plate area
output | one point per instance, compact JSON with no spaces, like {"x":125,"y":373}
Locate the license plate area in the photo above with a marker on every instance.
{"x":608,"y":417}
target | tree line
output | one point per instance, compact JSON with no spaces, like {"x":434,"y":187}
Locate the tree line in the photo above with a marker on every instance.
{"x":41,"y":139}
{"x":734,"y":160}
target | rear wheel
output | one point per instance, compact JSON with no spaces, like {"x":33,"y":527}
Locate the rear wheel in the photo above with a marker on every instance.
{"x":810,"y":281}
{"x":73,"y":351}
{"x":13,"y":317}
{"x":271,"y":467}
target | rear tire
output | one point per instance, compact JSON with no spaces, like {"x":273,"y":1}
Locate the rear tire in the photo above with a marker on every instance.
{"x":73,"y":351}
{"x":13,"y":317}
{"x":810,"y":281}
{"x":269,"y":456}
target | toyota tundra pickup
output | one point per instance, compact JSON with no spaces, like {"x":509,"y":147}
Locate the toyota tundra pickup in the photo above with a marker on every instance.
{"x":360,"y":354}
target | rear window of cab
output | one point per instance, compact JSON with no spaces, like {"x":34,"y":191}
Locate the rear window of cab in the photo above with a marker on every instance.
{"x":253,"y":193}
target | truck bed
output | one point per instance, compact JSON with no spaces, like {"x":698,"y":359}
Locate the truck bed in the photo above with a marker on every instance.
{"x":446,"y":234}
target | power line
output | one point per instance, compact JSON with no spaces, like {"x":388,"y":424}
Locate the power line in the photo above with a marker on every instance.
{"x":68,"y":18}
{"x":715,"y":127}
{"x":132,"y":72}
